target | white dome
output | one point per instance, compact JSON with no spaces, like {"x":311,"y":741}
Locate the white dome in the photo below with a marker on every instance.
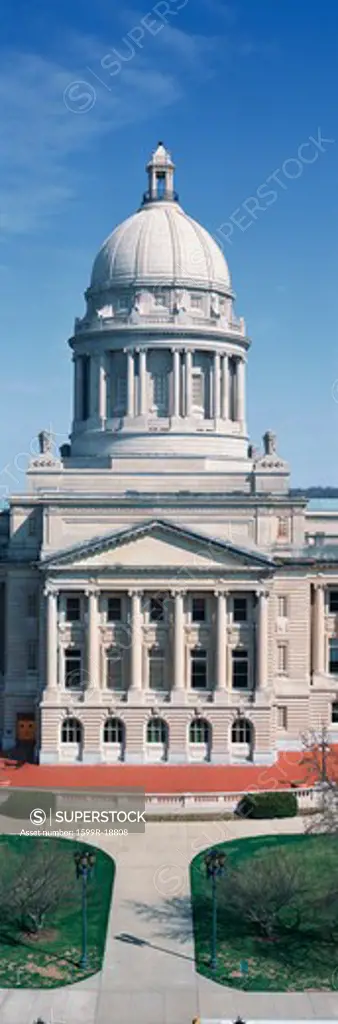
{"x":160,"y":245}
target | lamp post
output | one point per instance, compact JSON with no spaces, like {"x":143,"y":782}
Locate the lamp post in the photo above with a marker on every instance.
{"x":214,"y":864}
{"x":84,"y":865}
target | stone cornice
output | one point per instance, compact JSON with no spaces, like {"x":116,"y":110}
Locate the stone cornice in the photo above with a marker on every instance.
{"x":169,"y":530}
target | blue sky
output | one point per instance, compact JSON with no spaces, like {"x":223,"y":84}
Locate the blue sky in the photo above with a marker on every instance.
{"x":235,"y":90}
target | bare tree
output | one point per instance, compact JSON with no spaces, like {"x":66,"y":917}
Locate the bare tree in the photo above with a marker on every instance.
{"x":321,"y":770}
{"x":259,"y":890}
{"x":32,"y":886}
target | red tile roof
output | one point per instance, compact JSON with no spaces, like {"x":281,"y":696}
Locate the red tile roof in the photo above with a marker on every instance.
{"x":203,"y":778}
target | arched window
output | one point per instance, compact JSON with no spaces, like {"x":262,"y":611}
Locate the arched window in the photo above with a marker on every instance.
{"x":157,"y":731}
{"x":71,"y":731}
{"x":199,"y":731}
{"x":241,"y":731}
{"x":334,"y":712}
{"x":113,"y":731}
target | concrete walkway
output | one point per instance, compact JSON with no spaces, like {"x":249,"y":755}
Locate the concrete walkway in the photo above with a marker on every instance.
{"x":148,"y":975}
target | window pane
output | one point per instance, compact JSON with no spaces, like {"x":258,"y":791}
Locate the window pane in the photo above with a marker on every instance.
{"x":198,"y":669}
{"x":239,"y":669}
{"x":73,"y":609}
{"x":240,"y":609}
{"x":156,"y":731}
{"x":199,"y":731}
{"x":197,"y":390}
{"x":198,"y":609}
{"x":160,"y":390}
{"x":333,"y":656}
{"x":121,"y":393}
{"x":72,"y":669}
{"x":114,"y":669}
{"x":156,"y":668}
{"x":114,"y":609}
{"x":156,"y":609}
{"x":71,"y":731}
{"x":113,"y":731}
{"x":241,"y":731}
{"x":333,"y":601}
{"x":334,"y":712}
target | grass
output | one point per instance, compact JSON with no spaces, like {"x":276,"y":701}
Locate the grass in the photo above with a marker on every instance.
{"x":298,"y":960}
{"x":52,"y":958}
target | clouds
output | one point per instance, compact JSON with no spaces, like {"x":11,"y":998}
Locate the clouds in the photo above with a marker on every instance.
{"x":42,"y":138}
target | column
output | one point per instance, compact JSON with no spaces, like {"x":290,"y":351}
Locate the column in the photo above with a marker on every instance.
{"x":178,"y":667}
{"x":225,"y":388}
{"x":262,"y":640}
{"x":102,"y":386}
{"x":136,"y":641}
{"x":130,"y":384}
{"x":188,"y":395}
{"x":318,"y":636}
{"x":240,"y":390}
{"x":78,"y":387}
{"x":176,"y":381}
{"x":221,"y":641}
{"x":92,"y":641}
{"x":217,"y":386}
{"x":52,"y":640}
{"x":143,"y":381}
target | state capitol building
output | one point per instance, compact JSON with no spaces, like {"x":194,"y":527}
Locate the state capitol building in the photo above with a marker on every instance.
{"x":164,"y":597}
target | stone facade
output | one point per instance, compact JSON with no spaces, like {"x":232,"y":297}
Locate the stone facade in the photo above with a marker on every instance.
{"x":163,"y":596}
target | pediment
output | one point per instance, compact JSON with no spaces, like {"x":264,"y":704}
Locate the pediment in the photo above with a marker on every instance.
{"x":158,"y":543}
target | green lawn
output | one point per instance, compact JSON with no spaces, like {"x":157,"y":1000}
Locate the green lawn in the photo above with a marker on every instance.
{"x":52,"y":957}
{"x":298,"y":959}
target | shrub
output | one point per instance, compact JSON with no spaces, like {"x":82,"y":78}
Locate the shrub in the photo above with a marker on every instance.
{"x":268,"y":805}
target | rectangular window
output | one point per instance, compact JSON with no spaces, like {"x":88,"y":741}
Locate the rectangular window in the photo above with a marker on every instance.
{"x":197,"y":390}
{"x":334,"y":713}
{"x":333,"y":601}
{"x":32,"y":604}
{"x":160,"y":391}
{"x":114,"y":669}
{"x":198,"y":611}
{"x":85,"y":386}
{"x":73,"y":609}
{"x":156,"y":668}
{"x":72,"y":668}
{"x":333,"y":656}
{"x":32,"y":656}
{"x":282,"y":659}
{"x":199,"y":673}
{"x":196,"y":301}
{"x":156,"y":609}
{"x":121,"y":394}
{"x":240,"y":609}
{"x":240,"y":669}
{"x":282,"y":717}
{"x":114,"y":609}
{"x":282,"y":606}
